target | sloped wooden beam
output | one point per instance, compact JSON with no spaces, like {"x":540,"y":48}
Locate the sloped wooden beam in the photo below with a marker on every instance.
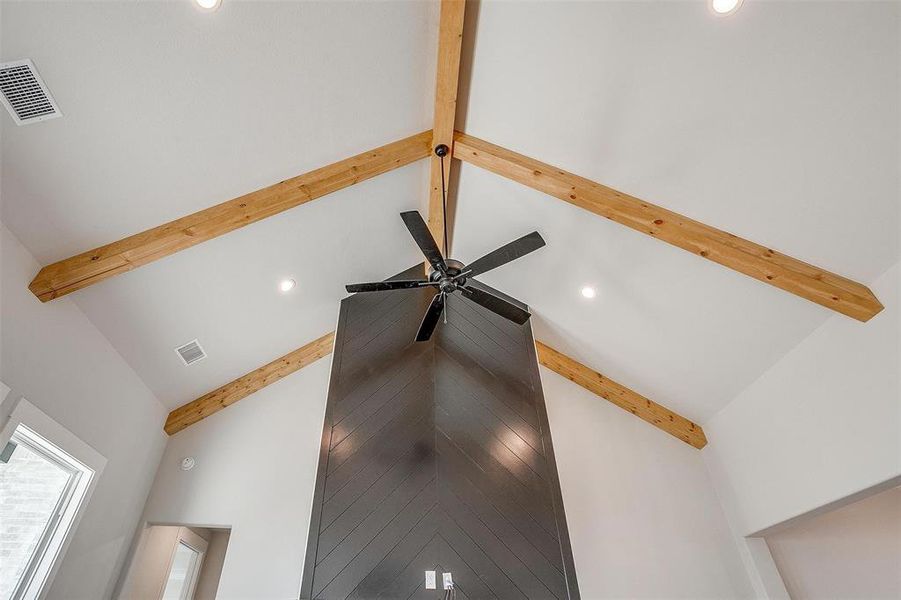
{"x":648,"y":410}
{"x":228,"y":394}
{"x":450,"y":40}
{"x":77,"y":272}
{"x":807,"y":281}
{"x":655,"y":414}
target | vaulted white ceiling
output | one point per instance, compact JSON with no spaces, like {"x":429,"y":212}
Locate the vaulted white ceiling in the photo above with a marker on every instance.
{"x":780,"y":124}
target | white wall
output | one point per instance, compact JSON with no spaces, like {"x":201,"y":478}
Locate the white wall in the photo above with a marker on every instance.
{"x":255,"y":471}
{"x":52,"y":355}
{"x":821,"y":424}
{"x":851,"y":552}
{"x":642,"y":513}
{"x":644,"y":519}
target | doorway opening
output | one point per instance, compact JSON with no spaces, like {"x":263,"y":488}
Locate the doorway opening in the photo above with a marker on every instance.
{"x":176,"y":562}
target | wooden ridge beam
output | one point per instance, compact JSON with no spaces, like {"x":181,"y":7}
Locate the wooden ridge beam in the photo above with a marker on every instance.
{"x":228,"y":394}
{"x":648,"y":410}
{"x":88,"y":268}
{"x":450,"y":41}
{"x":807,"y":281}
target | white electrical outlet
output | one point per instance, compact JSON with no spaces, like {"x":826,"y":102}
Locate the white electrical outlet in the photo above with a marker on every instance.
{"x":430,"y":583}
{"x":448,"y":582}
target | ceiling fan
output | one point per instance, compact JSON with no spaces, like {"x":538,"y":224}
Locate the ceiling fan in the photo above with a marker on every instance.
{"x":449,"y":276}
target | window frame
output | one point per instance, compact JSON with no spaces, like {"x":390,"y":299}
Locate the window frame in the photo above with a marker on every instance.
{"x":43,"y":435}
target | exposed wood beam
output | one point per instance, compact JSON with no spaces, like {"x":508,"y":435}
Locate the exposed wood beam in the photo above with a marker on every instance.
{"x":91,"y":267}
{"x":782,"y":271}
{"x":655,"y":414}
{"x":228,"y":394}
{"x":450,"y":40}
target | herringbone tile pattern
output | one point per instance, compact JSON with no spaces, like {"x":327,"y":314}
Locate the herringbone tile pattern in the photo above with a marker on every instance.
{"x":435,"y":456}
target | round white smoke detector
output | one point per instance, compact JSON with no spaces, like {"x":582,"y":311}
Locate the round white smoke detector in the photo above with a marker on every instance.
{"x":187,"y":463}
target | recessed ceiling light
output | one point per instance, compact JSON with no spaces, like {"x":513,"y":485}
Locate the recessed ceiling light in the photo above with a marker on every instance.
{"x":589,"y":292}
{"x":286,"y":285}
{"x":208,"y":4}
{"x":724,"y":7}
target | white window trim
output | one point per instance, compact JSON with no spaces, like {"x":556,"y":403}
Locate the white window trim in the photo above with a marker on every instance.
{"x":31,"y":417}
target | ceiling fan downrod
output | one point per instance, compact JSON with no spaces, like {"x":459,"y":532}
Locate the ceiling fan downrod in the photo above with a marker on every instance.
{"x":441,"y":150}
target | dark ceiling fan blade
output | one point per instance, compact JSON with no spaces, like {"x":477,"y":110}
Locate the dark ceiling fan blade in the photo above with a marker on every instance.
{"x":420,"y":232}
{"x":431,"y":318}
{"x":506,"y":253}
{"x":384,"y":286}
{"x":497,"y":305}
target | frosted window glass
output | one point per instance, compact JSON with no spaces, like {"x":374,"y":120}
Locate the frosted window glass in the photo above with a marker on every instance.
{"x":181,"y":574}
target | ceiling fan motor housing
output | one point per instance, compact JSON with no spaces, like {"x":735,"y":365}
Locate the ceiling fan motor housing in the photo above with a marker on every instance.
{"x":454,"y":268}
{"x":450,"y":276}
{"x":447,"y":283}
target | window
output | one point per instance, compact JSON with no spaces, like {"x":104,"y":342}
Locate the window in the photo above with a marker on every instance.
{"x":183,"y":573}
{"x":44,"y":486}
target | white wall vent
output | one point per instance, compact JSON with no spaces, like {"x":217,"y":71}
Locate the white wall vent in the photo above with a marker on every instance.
{"x":24,"y":94}
{"x":191,"y":352}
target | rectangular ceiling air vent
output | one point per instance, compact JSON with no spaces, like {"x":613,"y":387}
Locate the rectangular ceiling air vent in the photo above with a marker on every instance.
{"x":191,"y":352}
{"x":24,"y":94}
